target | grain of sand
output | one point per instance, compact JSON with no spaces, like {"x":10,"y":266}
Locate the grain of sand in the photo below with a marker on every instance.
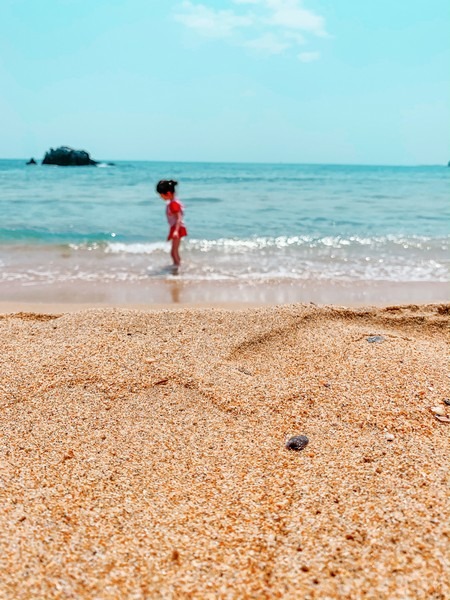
{"x":143,"y":455}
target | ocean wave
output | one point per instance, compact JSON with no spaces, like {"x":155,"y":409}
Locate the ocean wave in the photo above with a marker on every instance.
{"x":42,"y":236}
{"x":107,"y":242}
{"x":135,"y":248}
{"x":394,"y":258}
{"x":239,"y":246}
{"x":356,"y":272}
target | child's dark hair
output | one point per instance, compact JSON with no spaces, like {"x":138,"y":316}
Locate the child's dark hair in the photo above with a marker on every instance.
{"x":166,"y":186}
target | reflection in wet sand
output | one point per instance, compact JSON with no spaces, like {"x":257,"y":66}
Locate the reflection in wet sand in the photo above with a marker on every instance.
{"x":175,"y":291}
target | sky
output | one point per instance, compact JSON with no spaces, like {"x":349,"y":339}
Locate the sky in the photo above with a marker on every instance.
{"x":297,"y":81}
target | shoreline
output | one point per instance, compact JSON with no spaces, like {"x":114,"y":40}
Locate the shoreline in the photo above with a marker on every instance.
{"x":176,"y":292}
{"x":8,"y":309}
{"x":55,"y":308}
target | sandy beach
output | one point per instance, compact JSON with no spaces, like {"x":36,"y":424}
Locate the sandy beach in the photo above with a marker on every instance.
{"x":143,"y":453}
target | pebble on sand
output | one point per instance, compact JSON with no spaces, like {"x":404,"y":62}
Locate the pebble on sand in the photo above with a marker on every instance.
{"x":375,"y":339}
{"x":389,"y":437}
{"x":298,"y":442}
{"x":438,"y":410}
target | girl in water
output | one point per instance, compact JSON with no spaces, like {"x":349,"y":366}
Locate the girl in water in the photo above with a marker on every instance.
{"x":174,"y":212}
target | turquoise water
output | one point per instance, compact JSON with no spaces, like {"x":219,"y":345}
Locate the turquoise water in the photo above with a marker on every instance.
{"x":245,"y":221}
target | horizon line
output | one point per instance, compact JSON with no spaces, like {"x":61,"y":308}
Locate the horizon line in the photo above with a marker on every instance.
{"x":316,"y":164}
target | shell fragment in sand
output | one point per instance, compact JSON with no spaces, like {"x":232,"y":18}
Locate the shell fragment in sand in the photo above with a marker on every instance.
{"x":438,"y":410}
{"x":442,"y":419}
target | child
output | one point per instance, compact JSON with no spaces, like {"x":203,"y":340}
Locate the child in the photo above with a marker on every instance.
{"x":174,"y":212}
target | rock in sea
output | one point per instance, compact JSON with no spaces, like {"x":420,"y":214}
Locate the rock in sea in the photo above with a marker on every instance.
{"x":68,"y":157}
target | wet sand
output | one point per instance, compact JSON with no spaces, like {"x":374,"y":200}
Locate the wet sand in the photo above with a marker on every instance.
{"x":142,"y":454}
{"x":179,"y":290}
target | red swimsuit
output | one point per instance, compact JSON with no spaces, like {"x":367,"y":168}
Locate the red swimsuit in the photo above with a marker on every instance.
{"x":172,"y":209}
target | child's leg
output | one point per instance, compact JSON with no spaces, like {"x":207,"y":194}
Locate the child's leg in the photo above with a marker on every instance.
{"x":174,"y":252}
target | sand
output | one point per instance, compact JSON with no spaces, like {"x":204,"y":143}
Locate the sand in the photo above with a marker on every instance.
{"x":142,"y":454}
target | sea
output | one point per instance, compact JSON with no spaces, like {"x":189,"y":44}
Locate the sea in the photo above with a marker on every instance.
{"x":86,"y":232}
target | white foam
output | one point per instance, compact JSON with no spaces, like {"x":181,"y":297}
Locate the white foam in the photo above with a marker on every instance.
{"x":230,"y":246}
{"x":135,"y":248}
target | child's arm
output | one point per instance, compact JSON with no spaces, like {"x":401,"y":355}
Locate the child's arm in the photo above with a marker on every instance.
{"x":177,"y":225}
{"x":175,"y":209}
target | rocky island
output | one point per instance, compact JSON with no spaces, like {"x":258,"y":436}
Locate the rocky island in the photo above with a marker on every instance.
{"x":68,"y":157}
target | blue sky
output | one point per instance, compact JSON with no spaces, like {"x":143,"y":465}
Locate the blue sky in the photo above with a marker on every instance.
{"x":311,"y":81}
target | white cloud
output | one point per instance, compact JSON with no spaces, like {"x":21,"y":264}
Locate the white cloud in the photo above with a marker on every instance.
{"x":210,"y":22}
{"x":307,"y":57}
{"x":266,"y":26}
{"x":290,"y":14}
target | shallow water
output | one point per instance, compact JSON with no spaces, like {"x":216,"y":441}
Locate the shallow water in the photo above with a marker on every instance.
{"x":247,"y":222}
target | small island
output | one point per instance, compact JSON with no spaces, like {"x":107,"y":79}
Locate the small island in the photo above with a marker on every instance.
{"x":68,"y":157}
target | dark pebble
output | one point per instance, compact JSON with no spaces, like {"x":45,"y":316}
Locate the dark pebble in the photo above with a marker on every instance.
{"x":298,"y":442}
{"x":447,"y":401}
{"x":375,"y":339}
